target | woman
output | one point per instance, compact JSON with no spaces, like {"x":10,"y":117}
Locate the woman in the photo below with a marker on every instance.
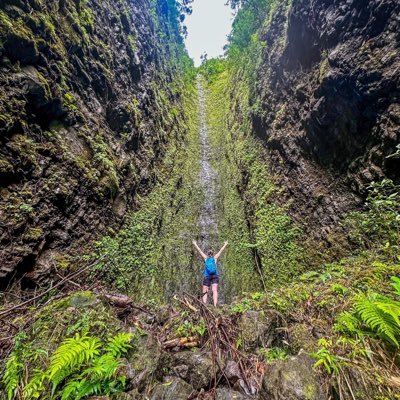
{"x":210,"y":273}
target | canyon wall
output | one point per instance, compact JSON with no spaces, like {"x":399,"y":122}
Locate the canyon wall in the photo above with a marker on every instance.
{"x":325,"y":100}
{"x":89,"y":97}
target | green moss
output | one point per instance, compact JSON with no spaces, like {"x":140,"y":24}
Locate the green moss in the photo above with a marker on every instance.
{"x":86,"y":18}
{"x":310,"y":391}
{"x":152,"y":248}
{"x":63,"y":262}
{"x":44,"y":84}
{"x":251,"y":220}
{"x":69,"y":101}
{"x":323,"y":66}
{"x":5,"y":166}
{"x":132,"y":42}
{"x":133,"y":107}
{"x":33,"y":233}
{"x":25,"y":147}
{"x":6,"y":120}
{"x":16,"y":27}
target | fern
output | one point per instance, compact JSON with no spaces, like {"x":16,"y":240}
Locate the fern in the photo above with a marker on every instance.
{"x":13,"y":374}
{"x":70,"y":391}
{"x":83,"y":364}
{"x":79,"y":389}
{"x":119,"y":344}
{"x":70,"y":356}
{"x":348,"y":322}
{"x":35,"y":386}
{"x":396,"y":284}
{"x":103,"y":367}
{"x":381,"y":315}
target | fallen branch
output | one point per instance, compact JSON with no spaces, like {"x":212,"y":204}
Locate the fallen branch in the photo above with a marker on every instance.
{"x":186,"y":342}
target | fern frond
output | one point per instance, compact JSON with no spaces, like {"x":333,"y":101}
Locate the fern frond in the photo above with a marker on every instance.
{"x":349,"y":322}
{"x":35,"y":386}
{"x":103,"y":367}
{"x":396,"y":284}
{"x":119,"y":344}
{"x":12,"y":375}
{"x":71,"y":390}
{"x":377,"y":319}
{"x":392,"y":308}
{"x":71,"y":355}
{"x":88,"y":388}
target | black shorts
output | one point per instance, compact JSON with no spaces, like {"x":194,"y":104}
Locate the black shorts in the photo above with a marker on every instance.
{"x":210,"y":280}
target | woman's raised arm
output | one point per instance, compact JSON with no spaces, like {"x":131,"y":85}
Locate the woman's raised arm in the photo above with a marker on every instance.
{"x":199,"y":249}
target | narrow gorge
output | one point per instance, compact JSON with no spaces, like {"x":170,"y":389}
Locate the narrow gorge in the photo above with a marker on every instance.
{"x":116,"y":152}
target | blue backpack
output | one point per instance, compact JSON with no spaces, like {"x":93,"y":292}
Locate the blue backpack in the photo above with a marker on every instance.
{"x":211,"y":267}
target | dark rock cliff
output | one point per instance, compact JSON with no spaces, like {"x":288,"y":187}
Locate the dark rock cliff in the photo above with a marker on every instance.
{"x":85,"y":89}
{"x":327,"y":102}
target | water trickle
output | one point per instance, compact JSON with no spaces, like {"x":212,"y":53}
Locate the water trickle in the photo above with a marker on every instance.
{"x":208,"y":177}
{"x":208,"y":218}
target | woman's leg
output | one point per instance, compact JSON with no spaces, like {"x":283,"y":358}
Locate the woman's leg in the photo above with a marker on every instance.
{"x":215,"y":293}
{"x":205,"y":293}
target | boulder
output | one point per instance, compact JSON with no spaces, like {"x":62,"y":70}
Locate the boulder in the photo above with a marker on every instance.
{"x":256,"y":329}
{"x":145,"y":360}
{"x":131,"y":395}
{"x":232,"y":371}
{"x":292,"y":379}
{"x":173,"y":388}
{"x":224,"y":393}
{"x":195,"y":368}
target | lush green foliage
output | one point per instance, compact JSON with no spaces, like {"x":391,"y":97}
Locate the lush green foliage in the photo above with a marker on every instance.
{"x":81,"y":366}
{"x":269,"y":248}
{"x":381,"y":223}
{"x":211,"y":69}
{"x":14,"y":368}
{"x":374,"y":315}
{"x":250,"y":16}
{"x":274,"y":354}
{"x":154,"y":245}
{"x":326,"y":358}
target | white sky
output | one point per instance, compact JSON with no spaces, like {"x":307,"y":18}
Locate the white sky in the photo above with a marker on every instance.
{"x":208,"y":27}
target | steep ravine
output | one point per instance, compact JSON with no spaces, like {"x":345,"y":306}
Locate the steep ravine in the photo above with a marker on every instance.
{"x":113,"y":158}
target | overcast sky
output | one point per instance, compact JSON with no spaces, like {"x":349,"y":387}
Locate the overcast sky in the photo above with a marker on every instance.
{"x":208,"y":27}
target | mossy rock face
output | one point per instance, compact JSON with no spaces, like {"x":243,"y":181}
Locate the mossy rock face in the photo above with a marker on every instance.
{"x":144,"y":360}
{"x":302,"y":338}
{"x":229,"y":394}
{"x":74,"y":101}
{"x":292,"y":379}
{"x":255,"y":328}
{"x":79,"y":313}
{"x":195,"y":368}
{"x":173,"y":388}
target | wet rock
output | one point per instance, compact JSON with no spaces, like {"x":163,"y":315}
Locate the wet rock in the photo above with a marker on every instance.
{"x":131,"y":395}
{"x":145,"y":360}
{"x":292,"y":379}
{"x":195,"y":368}
{"x":229,"y":394}
{"x":232,"y":371}
{"x":173,"y":388}
{"x":338,"y":89}
{"x":301,"y":337}
{"x":256,"y":329}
